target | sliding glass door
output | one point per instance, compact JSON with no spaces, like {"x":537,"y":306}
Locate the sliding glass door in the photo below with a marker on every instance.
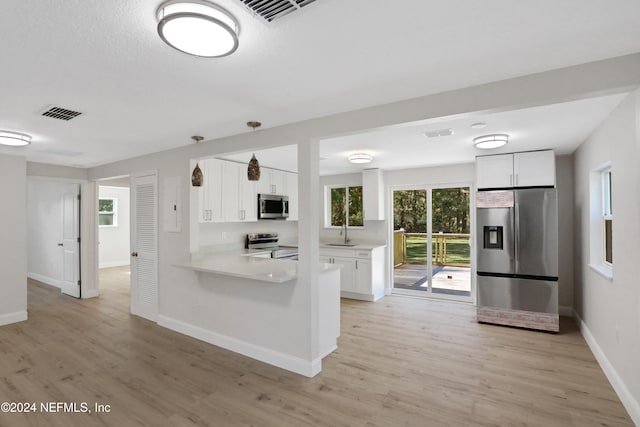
{"x":431,"y":232}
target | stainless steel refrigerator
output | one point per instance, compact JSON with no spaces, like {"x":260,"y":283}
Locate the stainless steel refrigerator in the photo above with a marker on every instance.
{"x":517,"y":248}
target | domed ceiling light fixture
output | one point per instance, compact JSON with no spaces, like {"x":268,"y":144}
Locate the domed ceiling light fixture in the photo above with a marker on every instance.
{"x":491,"y":141}
{"x":198,"y":27}
{"x":360,"y":158}
{"x":14,"y":139}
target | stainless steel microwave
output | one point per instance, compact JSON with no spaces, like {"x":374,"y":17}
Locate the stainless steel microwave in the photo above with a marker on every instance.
{"x":272,"y":206}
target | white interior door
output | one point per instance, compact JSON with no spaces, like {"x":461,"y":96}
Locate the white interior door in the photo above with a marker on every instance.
{"x":144,"y":245}
{"x":71,"y":240}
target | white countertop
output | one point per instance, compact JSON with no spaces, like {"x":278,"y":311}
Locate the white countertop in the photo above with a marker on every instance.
{"x":240,"y":263}
{"x":338,"y":245}
{"x":360,"y":246}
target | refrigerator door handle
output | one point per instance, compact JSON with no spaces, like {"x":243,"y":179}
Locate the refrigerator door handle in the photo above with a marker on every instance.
{"x":516,"y":229}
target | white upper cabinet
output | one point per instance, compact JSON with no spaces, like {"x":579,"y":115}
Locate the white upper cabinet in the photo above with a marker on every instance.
{"x":526,"y":169}
{"x":210,"y":193}
{"x":227,"y":195}
{"x":494,"y":171}
{"x":238,"y":193}
{"x":373,"y":195}
{"x":534,"y":168}
{"x":272,"y":181}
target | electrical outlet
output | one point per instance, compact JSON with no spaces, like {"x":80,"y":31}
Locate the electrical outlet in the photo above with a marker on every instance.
{"x":223,"y":235}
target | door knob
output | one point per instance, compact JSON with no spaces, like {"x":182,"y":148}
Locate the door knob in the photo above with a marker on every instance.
{"x":134,"y":254}
{"x":60,"y":244}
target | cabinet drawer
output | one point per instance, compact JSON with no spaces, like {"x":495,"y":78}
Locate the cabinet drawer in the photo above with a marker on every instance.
{"x":332,"y":252}
{"x":363,"y":254}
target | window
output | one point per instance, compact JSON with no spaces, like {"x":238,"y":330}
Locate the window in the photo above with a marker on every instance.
{"x":344,"y":206}
{"x":607,"y":217}
{"x":108,"y":212}
{"x":601,"y":220}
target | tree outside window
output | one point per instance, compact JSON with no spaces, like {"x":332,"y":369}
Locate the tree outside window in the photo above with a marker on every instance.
{"x":346,"y":206}
{"x":107,"y":212}
{"x":607,"y":217}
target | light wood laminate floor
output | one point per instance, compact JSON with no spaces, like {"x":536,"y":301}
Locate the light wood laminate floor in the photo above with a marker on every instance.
{"x":401,"y":361}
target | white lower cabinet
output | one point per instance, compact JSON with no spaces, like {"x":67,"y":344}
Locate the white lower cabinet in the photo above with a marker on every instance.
{"x":361,"y":271}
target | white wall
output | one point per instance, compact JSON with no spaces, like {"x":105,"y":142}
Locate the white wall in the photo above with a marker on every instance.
{"x":114,"y":241}
{"x":610,"y":309}
{"x":214,"y":236}
{"x":564,"y":185}
{"x":13,"y":251}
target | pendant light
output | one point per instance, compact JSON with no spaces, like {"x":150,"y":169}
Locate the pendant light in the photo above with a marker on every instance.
{"x":196,"y":175}
{"x":253,"y":170}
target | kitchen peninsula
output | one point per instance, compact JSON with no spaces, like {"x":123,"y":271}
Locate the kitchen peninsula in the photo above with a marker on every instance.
{"x":259,"y":307}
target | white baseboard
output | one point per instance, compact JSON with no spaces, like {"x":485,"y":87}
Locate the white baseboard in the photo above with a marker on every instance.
{"x":18,"y":316}
{"x":45,"y":279}
{"x":565,"y":311}
{"x":109,"y":264}
{"x":281,"y":360}
{"x":628,"y":401}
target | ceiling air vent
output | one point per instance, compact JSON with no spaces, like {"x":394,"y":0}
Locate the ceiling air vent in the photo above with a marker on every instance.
{"x":60,"y":113}
{"x":271,"y":10}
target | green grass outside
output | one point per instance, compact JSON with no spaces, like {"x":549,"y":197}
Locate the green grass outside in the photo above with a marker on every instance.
{"x":458,"y":250}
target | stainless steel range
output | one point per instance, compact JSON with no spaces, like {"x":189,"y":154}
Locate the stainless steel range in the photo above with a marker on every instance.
{"x":270,"y":241}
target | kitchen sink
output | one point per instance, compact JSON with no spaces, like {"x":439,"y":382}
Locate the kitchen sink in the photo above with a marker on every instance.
{"x":341,"y":244}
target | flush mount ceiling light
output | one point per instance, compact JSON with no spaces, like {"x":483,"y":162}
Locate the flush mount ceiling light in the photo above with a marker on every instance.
{"x":198,"y":28}
{"x":360,"y":158}
{"x":491,"y":141}
{"x":15,"y":139}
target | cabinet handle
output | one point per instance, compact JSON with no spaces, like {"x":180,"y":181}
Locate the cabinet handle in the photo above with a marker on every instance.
{"x":356,"y":264}
{"x":516,"y":179}
{"x":510,"y":179}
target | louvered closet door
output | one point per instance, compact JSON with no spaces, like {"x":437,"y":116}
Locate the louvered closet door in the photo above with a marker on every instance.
{"x":144,"y":256}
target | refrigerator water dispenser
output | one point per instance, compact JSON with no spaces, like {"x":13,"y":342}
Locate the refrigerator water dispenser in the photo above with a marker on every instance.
{"x":493,"y":237}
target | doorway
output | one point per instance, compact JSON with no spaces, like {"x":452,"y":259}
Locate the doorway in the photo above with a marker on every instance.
{"x":431,"y":242}
{"x":114,"y":215}
{"x":53,"y":238}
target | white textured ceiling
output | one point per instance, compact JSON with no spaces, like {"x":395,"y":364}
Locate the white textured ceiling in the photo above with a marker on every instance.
{"x":105,"y":59}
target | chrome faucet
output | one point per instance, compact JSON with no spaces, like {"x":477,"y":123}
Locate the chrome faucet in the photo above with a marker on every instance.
{"x":346,"y":237}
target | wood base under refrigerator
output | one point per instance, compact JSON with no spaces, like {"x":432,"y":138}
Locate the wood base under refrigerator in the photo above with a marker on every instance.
{"x":520,"y":318}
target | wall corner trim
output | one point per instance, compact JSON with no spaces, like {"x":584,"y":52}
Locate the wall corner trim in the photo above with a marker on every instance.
{"x":628,"y":401}
{"x":15,"y":317}
{"x":281,"y":360}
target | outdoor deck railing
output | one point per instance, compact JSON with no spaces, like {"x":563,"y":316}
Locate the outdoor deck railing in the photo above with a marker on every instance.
{"x":441,"y":244}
